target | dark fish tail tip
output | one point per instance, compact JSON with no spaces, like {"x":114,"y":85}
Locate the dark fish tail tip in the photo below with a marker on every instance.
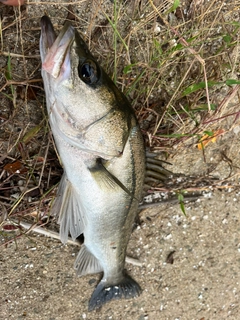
{"x":45,"y":19}
{"x":127,"y":288}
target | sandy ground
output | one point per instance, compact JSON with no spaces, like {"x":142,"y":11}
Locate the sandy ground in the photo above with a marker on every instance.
{"x":38,"y":280}
{"x":191,"y":264}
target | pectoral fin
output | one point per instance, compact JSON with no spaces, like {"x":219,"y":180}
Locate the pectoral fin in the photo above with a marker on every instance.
{"x":67,"y":207}
{"x":106,"y":178}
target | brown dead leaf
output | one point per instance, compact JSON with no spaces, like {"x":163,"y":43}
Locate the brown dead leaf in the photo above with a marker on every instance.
{"x":30,"y":92}
{"x":15,"y":167}
{"x":10,"y":228}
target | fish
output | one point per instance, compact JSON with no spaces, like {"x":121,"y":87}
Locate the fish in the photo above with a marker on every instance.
{"x":14,"y":3}
{"x":101,"y":149}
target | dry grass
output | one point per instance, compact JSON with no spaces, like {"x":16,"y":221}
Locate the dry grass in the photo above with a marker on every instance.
{"x":179,"y":68}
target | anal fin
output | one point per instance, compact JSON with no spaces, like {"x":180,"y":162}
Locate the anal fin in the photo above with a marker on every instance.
{"x":86,"y":263}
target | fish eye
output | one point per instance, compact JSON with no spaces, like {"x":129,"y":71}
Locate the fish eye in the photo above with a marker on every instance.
{"x":88,"y":72}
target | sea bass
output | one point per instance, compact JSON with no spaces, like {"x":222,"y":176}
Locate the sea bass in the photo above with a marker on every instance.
{"x":101,"y":149}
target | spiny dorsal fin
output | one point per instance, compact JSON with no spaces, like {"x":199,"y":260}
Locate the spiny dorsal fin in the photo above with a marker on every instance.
{"x":154,"y":169}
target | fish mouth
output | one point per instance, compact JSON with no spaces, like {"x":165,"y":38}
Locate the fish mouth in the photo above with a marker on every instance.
{"x":55,"y":51}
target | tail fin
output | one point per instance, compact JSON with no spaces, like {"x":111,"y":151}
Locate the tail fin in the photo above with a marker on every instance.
{"x":127,"y":288}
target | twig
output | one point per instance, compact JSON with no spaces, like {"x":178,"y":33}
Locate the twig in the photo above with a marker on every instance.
{"x":16,"y":55}
{"x":55,"y":235}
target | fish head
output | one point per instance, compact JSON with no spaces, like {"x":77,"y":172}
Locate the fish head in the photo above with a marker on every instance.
{"x":82,"y":100}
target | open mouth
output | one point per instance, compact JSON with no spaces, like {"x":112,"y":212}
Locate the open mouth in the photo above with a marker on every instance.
{"x":55,"y":51}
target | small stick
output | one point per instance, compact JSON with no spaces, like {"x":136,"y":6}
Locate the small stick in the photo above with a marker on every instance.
{"x":16,"y":55}
{"x":55,"y":235}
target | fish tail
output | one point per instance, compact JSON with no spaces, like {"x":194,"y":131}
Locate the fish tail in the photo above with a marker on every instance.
{"x":126,"y":288}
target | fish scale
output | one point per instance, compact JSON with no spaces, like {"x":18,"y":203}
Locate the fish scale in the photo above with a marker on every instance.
{"x":102,"y":153}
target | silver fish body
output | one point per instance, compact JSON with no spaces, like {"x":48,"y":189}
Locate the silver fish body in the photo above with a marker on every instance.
{"x":102,"y":153}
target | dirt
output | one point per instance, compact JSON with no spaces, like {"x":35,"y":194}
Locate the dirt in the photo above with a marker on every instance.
{"x":190,"y":263}
{"x":190,"y":268}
